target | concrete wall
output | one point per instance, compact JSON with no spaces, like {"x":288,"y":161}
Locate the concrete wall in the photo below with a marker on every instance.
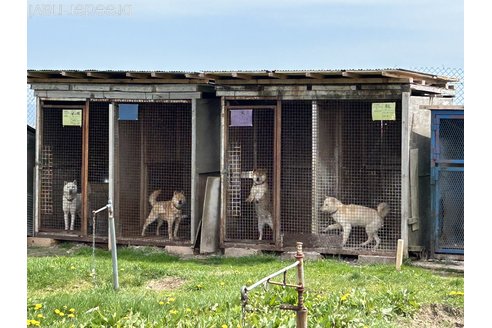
{"x":420,"y":232}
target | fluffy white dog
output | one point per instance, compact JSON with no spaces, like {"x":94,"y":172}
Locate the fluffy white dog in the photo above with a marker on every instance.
{"x":72,"y":204}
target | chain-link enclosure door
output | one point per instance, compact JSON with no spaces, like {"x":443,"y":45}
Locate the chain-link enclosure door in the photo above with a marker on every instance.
{"x":448,"y":181}
{"x":250,"y":179}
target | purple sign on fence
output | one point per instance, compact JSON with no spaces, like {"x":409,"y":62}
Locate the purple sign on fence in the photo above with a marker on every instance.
{"x":241,"y":117}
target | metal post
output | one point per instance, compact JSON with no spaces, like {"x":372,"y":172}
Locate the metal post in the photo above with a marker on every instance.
{"x":113,"y":245}
{"x":112,"y":236}
{"x":301,"y":320}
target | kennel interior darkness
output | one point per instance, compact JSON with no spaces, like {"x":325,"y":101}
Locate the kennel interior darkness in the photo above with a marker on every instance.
{"x":311,"y":149}
{"x":152,"y":151}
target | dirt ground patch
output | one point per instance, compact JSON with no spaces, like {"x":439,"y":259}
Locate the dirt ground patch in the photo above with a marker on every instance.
{"x":437,"y":316}
{"x":167,"y":283}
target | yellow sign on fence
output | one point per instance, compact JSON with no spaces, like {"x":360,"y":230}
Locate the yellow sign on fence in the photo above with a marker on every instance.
{"x":72,"y":117}
{"x":383,"y":111}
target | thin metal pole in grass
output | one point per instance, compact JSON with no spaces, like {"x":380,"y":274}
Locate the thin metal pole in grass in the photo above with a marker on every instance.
{"x":112,"y":239}
{"x":301,"y":310}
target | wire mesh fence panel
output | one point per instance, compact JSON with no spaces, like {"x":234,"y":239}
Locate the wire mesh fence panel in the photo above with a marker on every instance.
{"x":358,"y":170}
{"x":250,"y":147}
{"x":456,"y":72}
{"x":154,"y":156}
{"x":61,"y":162}
{"x":296,"y":168}
{"x":31,"y":107}
{"x":451,"y":216}
{"x":98,"y":170}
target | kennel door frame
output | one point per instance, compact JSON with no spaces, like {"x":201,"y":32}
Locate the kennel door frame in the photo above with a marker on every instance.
{"x":450,"y":165}
{"x":41,"y":106}
{"x":277,"y":112}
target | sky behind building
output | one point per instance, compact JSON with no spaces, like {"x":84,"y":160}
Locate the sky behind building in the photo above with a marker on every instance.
{"x":197,"y":35}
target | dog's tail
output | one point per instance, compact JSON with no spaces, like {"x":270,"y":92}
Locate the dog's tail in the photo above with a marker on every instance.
{"x":153,"y":197}
{"x":383,"y":210}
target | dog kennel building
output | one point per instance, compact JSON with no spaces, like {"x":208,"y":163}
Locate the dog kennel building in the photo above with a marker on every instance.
{"x":121,"y":135}
{"x":361,"y":136}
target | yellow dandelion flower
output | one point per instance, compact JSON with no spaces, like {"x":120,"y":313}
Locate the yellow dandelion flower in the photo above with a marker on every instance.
{"x":224,"y":326}
{"x":65,"y":307}
{"x":38,"y":306}
{"x":40,"y":316}
{"x":72,"y":310}
{"x":455,"y":293}
{"x":173,"y":311}
{"x":161,"y":303}
{"x":344,"y":297}
{"x":171,"y":299}
{"x":57,"y":311}
{"x":71,"y":315}
{"x":61,"y":314}
{"x":28,"y":322}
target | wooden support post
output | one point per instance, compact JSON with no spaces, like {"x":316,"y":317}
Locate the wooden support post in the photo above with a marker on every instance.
{"x":85,"y":168}
{"x":399,"y":254}
{"x":276,"y":171}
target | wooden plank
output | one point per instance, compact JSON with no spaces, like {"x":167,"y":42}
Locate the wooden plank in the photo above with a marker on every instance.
{"x":85,"y":168}
{"x":434,"y":89}
{"x":50,"y":86}
{"x":132,"y":88}
{"x":276,"y":75}
{"x":224,"y":121}
{"x":101,"y":79}
{"x":73,"y":74}
{"x":98,"y":75}
{"x":378,"y":80}
{"x":241,"y":76}
{"x":405,"y":169}
{"x":138,"y":75}
{"x":442,"y":107}
{"x":159,"y":75}
{"x":277,"y":160}
{"x":351,"y":75}
{"x":414,"y":189}
{"x":334,"y":94}
{"x":176,"y":88}
{"x":312,"y":75}
{"x":90,"y":87}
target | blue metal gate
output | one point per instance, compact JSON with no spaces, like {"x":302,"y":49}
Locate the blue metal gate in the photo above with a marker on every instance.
{"x":447,"y":180}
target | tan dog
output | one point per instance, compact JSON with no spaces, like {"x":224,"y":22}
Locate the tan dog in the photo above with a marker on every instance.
{"x":260,"y":195}
{"x":347,"y":216}
{"x":169,"y":211}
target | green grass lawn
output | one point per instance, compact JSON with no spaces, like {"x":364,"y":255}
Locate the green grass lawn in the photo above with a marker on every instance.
{"x":159,"y":290}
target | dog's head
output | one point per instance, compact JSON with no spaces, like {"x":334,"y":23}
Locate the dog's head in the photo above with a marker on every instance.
{"x":259,"y":176}
{"x":70,"y":189}
{"x":330,"y":205}
{"x":179,"y":199}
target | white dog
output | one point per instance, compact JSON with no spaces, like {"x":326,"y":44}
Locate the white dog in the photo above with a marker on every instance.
{"x":347,"y":216}
{"x":260,"y":195}
{"x":72,"y":203}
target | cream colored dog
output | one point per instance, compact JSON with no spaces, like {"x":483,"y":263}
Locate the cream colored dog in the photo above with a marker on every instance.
{"x":347,"y":216}
{"x":260,"y":195}
{"x":72,"y":204}
{"x":169,"y":210}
